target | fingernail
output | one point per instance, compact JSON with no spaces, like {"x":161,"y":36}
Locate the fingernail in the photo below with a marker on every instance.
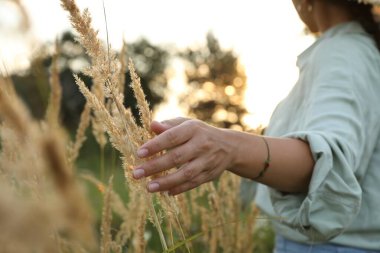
{"x":142,"y":152}
{"x":152,"y":187}
{"x":138,"y":173}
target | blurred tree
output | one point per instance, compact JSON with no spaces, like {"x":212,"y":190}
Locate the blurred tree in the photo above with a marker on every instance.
{"x":216,"y":85}
{"x":33,"y":83}
{"x":151,"y":62}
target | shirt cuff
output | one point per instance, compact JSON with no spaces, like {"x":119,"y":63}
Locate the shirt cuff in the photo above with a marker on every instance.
{"x":334,"y":195}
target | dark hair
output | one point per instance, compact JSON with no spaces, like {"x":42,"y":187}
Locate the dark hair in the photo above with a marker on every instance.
{"x":363,"y":13}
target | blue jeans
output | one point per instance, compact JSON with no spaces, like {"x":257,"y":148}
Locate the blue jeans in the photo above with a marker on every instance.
{"x":287,"y":246}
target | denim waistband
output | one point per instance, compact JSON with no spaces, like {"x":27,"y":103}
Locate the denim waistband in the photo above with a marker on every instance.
{"x":284,"y":245}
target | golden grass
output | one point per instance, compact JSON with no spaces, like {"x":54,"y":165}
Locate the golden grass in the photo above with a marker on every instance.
{"x":54,"y":106}
{"x":52,"y":209}
{"x":37,"y":173}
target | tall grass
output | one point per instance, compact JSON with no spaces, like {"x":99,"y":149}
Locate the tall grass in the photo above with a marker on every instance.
{"x":43,"y":204}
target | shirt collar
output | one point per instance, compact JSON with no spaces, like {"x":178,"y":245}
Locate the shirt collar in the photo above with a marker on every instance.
{"x":352,"y":27}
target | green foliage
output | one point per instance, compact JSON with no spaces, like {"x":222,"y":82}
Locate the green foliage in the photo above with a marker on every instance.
{"x":264,"y":238}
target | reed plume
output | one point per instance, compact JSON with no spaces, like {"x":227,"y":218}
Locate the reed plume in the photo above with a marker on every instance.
{"x":145,"y":113}
{"x":119,"y":123}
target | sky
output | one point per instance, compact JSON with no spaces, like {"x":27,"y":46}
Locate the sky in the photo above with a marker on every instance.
{"x":267,"y":35}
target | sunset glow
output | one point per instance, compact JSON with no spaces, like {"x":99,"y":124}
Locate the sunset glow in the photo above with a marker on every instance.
{"x":267,"y":35}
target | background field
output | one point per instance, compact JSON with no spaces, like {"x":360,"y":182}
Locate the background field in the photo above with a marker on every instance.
{"x":56,"y":159}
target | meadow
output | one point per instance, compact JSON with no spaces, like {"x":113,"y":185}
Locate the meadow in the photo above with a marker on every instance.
{"x":50,"y":201}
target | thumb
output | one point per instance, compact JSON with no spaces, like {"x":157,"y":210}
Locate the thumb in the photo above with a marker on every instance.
{"x":160,"y":127}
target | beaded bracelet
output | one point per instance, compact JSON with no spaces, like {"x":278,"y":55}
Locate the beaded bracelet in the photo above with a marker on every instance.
{"x":266,"y":162}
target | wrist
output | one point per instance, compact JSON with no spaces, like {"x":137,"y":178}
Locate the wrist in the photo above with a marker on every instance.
{"x":238,"y":148}
{"x":249,"y":155}
{"x":266,"y":162}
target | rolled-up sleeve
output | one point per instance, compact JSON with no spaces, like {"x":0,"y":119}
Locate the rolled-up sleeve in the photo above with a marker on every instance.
{"x":335,"y":118}
{"x":334,"y":195}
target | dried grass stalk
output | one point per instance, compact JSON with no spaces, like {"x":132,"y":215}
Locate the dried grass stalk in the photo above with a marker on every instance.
{"x":123,"y":67}
{"x":116,"y":135}
{"x":54,"y":106}
{"x":98,"y":129}
{"x":13,"y":110}
{"x":79,"y":218}
{"x":145,"y":113}
{"x":140,"y":242}
{"x":26,"y":225}
{"x":25,"y":25}
{"x":106,"y":240}
{"x":129,"y":214}
{"x":126,"y":136}
{"x":88,"y":36}
{"x":80,"y":136}
{"x":46,"y":208}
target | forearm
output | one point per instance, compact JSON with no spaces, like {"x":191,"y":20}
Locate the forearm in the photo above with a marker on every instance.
{"x":290,"y":167}
{"x":202,"y":153}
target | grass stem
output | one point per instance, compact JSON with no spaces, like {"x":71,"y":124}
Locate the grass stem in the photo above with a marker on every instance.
{"x":157,"y":224}
{"x":102,"y":165}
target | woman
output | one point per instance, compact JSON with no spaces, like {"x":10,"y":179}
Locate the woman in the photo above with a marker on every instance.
{"x":320,"y":158}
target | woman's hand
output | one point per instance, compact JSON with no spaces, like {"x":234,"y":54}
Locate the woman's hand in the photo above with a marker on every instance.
{"x":199,"y":151}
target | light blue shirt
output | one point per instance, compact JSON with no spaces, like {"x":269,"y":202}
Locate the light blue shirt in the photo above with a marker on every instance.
{"x":335,"y":107}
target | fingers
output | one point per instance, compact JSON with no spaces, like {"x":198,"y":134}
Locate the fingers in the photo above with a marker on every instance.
{"x":188,"y":175}
{"x":187,"y":186}
{"x":174,"y":122}
{"x":174,"y":158}
{"x":179,"y":137}
{"x":160,"y":127}
{"x":168,"y":139}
